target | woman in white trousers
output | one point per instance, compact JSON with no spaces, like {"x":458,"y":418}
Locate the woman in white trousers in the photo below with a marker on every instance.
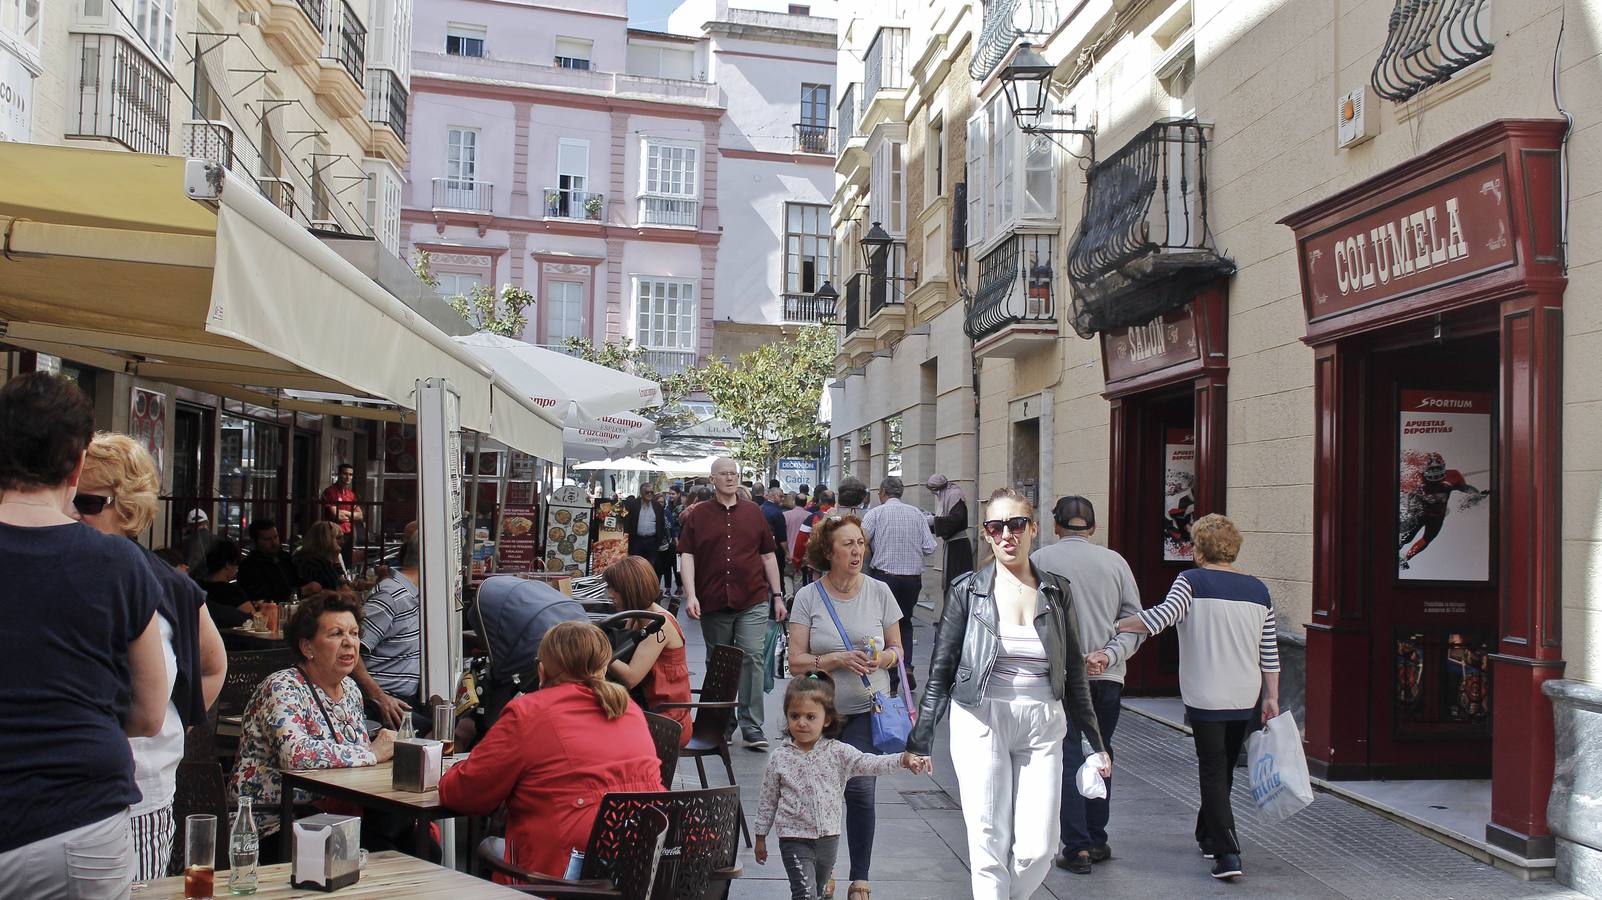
{"x":1008,"y":654}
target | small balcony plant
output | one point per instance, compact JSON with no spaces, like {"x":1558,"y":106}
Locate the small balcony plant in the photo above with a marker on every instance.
{"x":592,"y":207}
{"x":553,"y":202}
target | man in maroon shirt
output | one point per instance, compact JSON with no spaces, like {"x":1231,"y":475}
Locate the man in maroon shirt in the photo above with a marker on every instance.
{"x":341,"y":507}
{"x":728,"y":567}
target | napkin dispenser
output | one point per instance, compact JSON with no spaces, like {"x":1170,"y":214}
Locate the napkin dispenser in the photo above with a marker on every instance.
{"x":417,"y":765}
{"x":327,"y":852}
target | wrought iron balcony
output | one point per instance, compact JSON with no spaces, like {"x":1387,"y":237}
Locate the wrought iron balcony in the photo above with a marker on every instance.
{"x":386,"y":100}
{"x":1428,"y":42}
{"x":280,"y":192}
{"x":1015,"y":288}
{"x":885,"y":66}
{"x":1005,"y":22}
{"x":561,"y":203}
{"x":854,"y":319}
{"x":120,"y":95}
{"x":313,"y":10}
{"x":345,"y":39}
{"x":674,"y":211}
{"x":802,"y":307}
{"x":890,"y":288}
{"x":1143,"y":246}
{"x":814,"y":139}
{"x":668,"y":362}
{"x":464,"y":195}
{"x":849,"y":110}
{"x":211,"y":141}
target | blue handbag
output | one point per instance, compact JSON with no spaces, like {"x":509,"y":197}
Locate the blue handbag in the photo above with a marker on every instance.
{"x":892,"y":723}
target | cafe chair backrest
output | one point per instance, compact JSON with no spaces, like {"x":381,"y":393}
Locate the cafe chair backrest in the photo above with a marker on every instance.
{"x":200,"y":789}
{"x":665,"y":733}
{"x":626,"y":847}
{"x":721,"y":685}
{"x":702,"y":827}
{"x":246,"y":670}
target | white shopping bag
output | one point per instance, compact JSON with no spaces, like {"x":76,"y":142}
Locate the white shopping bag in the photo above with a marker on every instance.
{"x":1280,"y":785}
{"x":1089,"y":781}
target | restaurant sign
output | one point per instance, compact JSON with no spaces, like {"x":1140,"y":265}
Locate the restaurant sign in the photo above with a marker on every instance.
{"x":1154,"y":346}
{"x":1457,"y":227}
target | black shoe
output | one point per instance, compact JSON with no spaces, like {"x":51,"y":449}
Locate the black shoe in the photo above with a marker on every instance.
{"x":1100,"y":854}
{"x":1227,"y":866}
{"x":754,"y":740}
{"x":1077,"y":863}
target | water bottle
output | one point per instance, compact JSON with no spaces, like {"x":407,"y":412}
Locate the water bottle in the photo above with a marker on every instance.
{"x":243,"y":846}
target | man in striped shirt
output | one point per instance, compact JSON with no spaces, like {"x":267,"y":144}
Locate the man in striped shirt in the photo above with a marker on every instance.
{"x":390,"y":670}
{"x":1228,"y":662}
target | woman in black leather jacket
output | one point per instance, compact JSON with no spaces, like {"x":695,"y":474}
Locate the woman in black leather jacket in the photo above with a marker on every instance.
{"x":1008,"y":654}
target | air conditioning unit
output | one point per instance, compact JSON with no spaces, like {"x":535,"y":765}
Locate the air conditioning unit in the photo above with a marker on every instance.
{"x":1352,"y":125}
{"x":210,"y":141}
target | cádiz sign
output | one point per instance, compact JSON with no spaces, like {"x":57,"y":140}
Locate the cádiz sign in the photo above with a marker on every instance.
{"x":1459,"y":226}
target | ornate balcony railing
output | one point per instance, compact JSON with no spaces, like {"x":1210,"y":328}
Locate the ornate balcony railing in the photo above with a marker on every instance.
{"x":1005,"y":22}
{"x":668,"y":362}
{"x":280,"y":191}
{"x":345,"y":39}
{"x":679,"y":211}
{"x":1014,"y":286}
{"x":801,"y":307}
{"x":814,"y":139}
{"x":560,"y":203}
{"x":464,"y":195}
{"x":313,"y":10}
{"x":386,"y":100}
{"x":1428,"y":42}
{"x":1143,"y":246}
{"x":889,"y":289}
{"x":211,"y":141}
{"x":885,"y":66}
{"x":121,"y":95}
{"x":849,"y":110}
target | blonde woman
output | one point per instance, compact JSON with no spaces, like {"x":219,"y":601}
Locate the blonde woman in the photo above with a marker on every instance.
{"x":117,"y":496}
{"x":318,"y":563}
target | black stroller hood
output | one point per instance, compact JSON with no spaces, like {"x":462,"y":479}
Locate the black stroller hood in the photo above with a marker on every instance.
{"x":513,"y":616}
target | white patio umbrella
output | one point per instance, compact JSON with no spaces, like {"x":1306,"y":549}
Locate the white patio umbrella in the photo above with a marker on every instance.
{"x":564,"y":385}
{"x":626,"y":464}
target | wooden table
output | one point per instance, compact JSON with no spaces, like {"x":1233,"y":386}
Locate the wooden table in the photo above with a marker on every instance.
{"x":388,"y":874}
{"x":370,"y":787}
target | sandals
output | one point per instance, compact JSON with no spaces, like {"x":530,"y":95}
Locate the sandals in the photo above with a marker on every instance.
{"x":828,"y":890}
{"x":859,"y":890}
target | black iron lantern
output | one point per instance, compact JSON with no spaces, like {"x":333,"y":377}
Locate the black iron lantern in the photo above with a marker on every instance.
{"x":875,"y":244}
{"x":1027,"y":81}
{"x":826,"y":301}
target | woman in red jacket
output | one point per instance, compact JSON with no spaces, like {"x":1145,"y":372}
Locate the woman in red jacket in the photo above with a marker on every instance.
{"x":553,"y":753}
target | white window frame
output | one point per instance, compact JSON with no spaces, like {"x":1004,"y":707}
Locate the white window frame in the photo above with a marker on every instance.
{"x":974,"y":169}
{"x":887,"y":186}
{"x":689,"y":172}
{"x":584,"y":48}
{"x":573,"y":185}
{"x":465,"y":32}
{"x":156,"y":22}
{"x":26,"y":33}
{"x":797,"y":243}
{"x":934,"y":157}
{"x":1011,"y":176}
{"x":459,"y":283}
{"x":648,"y":289}
{"x":552,"y":305}
{"x":457,"y":177}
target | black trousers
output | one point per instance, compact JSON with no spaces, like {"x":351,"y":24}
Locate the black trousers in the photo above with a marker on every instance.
{"x":906,"y":589}
{"x":644,"y":547}
{"x":1218,"y":745}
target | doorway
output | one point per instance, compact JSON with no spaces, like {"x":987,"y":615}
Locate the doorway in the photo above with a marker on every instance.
{"x":191,"y":467}
{"x":1433,"y":538}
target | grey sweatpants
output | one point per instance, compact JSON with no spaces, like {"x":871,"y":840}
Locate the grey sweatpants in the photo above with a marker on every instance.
{"x":94,"y":862}
{"x":810,"y":864}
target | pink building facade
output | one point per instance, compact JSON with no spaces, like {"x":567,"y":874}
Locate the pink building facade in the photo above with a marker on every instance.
{"x":634,"y":181}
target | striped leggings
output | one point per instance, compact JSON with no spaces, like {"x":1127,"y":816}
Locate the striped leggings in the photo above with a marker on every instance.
{"x":152,"y":840}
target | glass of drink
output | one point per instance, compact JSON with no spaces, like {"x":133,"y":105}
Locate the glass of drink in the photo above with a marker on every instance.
{"x":445,"y":726}
{"x":272,"y":616}
{"x":258,"y":619}
{"x":200,"y":856}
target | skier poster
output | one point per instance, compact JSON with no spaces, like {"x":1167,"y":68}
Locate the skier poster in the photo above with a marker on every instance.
{"x":1444,"y":520}
{"x":1179,"y":492}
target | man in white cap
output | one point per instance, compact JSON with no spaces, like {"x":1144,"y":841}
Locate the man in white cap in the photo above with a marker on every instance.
{"x":197,"y":541}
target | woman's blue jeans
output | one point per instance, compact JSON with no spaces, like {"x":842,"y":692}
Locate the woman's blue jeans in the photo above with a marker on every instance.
{"x":859,"y":814}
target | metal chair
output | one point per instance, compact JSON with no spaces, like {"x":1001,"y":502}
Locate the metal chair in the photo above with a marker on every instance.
{"x":201,"y":788}
{"x":714,"y":713}
{"x":246,"y":670}
{"x":620,"y":859}
{"x":665,"y":732}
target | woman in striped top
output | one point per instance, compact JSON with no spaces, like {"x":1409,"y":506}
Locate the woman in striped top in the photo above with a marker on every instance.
{"x":1228,"y":658}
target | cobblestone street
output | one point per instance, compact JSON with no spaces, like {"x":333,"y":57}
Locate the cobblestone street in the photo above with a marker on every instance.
{"x":1333,"y":849}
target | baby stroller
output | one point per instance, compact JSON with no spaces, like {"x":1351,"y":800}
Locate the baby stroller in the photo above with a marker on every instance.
{"x":512,"y":616}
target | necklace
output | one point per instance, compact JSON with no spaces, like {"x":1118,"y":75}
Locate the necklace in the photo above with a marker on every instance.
{"x":848,"y":588}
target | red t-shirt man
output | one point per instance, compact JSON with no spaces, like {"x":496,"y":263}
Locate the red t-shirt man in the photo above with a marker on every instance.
{"x":340,"y":505}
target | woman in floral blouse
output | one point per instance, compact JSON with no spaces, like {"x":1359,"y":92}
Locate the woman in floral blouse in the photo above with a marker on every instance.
{"x":309,"y":716}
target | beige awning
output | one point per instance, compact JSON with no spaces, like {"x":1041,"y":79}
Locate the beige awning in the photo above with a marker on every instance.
{"x":107,"y":262}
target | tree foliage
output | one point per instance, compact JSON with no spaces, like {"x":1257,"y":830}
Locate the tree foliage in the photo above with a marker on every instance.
{"x":771,"y":394}
{"x":626,"y":356}
{"x":505,"y":315}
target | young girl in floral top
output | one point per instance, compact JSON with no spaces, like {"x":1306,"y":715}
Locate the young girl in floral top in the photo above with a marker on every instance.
{"x":803,"y":788}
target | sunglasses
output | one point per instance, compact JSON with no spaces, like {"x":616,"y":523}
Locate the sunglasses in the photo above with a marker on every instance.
{"x":1017,"y":524}
{"x":90,"y":504}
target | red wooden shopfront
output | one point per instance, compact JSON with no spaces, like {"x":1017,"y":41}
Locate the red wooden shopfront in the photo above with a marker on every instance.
{"x":1167,"y":382}
{"x":1439,"y":285}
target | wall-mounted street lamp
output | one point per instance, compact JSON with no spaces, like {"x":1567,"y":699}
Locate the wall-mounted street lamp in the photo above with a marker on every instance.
{"x":1027,"y":83}
{"x":875,"y":245}
{"x":826,"y":301}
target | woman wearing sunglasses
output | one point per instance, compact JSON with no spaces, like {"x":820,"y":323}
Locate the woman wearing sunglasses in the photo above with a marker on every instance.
{"x":1008,"y":654}
{"x":117,"y":496}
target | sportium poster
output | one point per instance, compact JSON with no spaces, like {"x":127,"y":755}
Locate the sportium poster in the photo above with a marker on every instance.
{"x":1179,"y":492}
{"x":1444,"y":526}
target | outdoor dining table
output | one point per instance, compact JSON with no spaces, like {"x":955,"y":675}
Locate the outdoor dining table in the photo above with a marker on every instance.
{"x":252,"y":639}
{"x":370,"y":787}
{"x":387,"y":874}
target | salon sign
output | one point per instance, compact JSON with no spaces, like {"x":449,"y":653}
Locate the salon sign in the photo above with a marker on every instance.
{"x":1459,"y":226}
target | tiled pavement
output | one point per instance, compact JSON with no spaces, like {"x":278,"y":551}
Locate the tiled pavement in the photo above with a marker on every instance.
{"x":1333,"y":849}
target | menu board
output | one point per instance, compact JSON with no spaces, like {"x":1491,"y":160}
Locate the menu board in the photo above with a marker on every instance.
{"x":567,"y":531}
{"x":611,"y":542}
{"x":519,"y":545}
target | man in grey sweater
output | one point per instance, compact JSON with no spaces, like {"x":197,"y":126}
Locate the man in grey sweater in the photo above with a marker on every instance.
{"x":1103,"y":592}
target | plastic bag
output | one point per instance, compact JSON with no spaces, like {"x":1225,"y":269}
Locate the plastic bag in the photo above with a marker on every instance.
{"x":1089,"y":781}
{"x":775,"y":656}
{"x":1280,"y":784}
